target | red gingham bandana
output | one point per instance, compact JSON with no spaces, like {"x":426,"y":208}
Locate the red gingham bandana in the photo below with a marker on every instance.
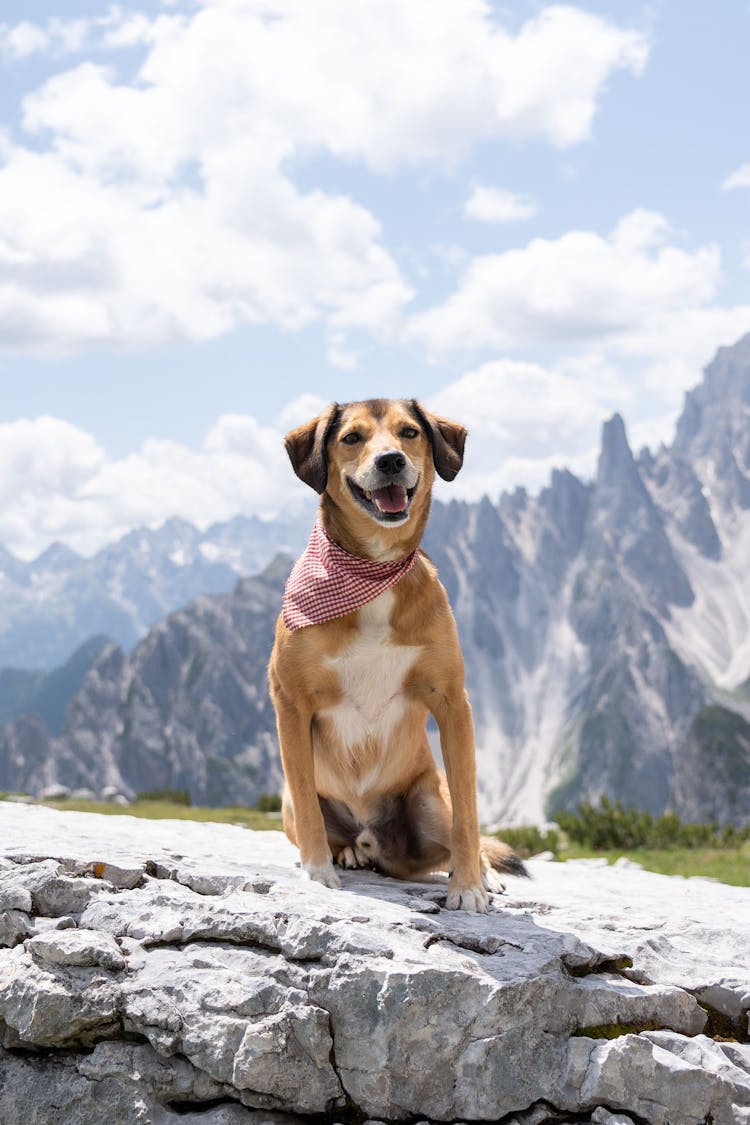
{"x":327,"y":582}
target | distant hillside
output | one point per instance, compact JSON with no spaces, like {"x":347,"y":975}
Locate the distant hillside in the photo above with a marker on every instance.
{"x":46,"y":694}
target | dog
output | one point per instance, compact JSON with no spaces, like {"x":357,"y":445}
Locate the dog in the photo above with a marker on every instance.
{"x":354,"y":675}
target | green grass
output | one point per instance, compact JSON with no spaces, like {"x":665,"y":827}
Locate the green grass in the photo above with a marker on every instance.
{"x":167,"y":810}
{"x":728,"y":865}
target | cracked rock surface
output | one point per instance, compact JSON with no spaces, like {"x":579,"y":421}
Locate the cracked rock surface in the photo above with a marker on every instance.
{"x":172,"y":971}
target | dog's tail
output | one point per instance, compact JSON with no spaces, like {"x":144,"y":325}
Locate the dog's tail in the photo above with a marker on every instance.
{"x":502,"y":857}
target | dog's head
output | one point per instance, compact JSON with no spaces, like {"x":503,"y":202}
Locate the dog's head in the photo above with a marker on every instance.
{"x":377,"y":458}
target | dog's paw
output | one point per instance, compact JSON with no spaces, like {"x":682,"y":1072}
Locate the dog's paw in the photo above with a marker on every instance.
{"x":473,"y":899}
{"x":352,"y":857}
{"x":492,"y":881}
{"x":323,"y":873}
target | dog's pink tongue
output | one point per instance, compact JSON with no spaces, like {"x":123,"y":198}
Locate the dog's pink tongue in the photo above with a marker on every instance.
{"x":390,"y":499}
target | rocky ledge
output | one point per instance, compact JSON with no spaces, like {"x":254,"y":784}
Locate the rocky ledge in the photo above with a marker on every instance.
{"x":155,"y":972}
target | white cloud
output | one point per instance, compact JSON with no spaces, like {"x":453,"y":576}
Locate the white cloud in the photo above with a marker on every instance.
{"x":516,"y":412}
{"x":57,"y":37}
{"x":422,"y":82}
{"x":99,"y":267}
{"x":36,"y":454}
{"x":175,"y":217}
{"x":580,"y":287}
{"x":301,"y":409}
{"x":497,"y":205}
{"x":740,"y":178}
{"x":338,"y":355}
{"x":22,"y":39}
{"x":56,"y":482}
{"x":632,"y":319}
{"x":524,"y":405}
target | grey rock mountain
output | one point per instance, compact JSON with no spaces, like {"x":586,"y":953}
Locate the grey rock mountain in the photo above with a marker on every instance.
{"x":605,"y":629}
{"x":188,"y":708}
{"x":46,"y":694}
{"x":50,"y":606}
{"x":159,"y":972}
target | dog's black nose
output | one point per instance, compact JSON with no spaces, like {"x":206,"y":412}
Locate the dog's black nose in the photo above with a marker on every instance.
{"x":390,"y":463}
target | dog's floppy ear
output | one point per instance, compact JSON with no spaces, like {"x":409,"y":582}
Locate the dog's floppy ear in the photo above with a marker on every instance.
{"x":306,"y":447}
{"x":446,"y":438}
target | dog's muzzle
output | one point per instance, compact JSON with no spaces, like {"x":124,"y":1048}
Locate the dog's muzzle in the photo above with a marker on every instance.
{"x":386,"y":489}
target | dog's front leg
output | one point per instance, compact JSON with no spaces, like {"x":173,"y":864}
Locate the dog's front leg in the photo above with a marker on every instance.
{"x":465,"y":888}
{"x":295,"y":740}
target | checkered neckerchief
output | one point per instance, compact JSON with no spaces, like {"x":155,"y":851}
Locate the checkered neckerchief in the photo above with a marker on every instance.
{"x":327,"y":582}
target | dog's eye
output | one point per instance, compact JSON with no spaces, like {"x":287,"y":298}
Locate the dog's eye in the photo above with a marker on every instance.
{"x":409,"y":432}
{"x":352,"y":438}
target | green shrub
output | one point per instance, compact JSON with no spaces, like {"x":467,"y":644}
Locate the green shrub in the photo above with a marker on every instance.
{"x":611,"y":826}
{"x":170,"y":796}
{"x":269,"y":802}
{"x":530,"y":841}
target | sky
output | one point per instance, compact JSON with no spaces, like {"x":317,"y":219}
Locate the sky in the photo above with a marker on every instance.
{"x":216,"y":216}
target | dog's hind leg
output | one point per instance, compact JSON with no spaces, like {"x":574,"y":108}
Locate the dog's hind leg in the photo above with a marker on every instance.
{"x":414,"y":836}
{"x":345,"y":835}
{"x":342,"y":830}
{"x":409,"y":833}
{"x":494,"y":855}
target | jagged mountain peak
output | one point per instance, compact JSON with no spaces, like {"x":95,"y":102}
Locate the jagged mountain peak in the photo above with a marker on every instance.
{"x":565,"y":499}
{"x":616,"y":462}
{"x":727,"y":376}
{"x":619,"y":491}
{"x":487,"y":508}
{"x":55,"y":557}
{"x":714,"y":425}
{"x":627,"y":532}
{"x":178,"y":525}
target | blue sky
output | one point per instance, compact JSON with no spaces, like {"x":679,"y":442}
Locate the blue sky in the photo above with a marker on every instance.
{"x":217,"y":215}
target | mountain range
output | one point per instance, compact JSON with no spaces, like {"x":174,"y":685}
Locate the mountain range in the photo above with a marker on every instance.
{"x":605,"y":627}
{"x":54,"y":603}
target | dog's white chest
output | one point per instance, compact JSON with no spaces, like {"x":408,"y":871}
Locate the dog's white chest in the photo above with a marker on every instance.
{"x":371,"y":671}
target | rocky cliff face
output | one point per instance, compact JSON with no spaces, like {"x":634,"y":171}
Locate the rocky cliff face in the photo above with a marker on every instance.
{"x":164,"y":972}
{"x":605,"y":629}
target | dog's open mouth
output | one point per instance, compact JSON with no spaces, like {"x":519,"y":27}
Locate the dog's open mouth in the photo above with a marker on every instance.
{"x":388,"y":504}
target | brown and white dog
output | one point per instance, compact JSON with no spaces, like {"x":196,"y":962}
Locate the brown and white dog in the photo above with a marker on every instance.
{"x":352,"y":695}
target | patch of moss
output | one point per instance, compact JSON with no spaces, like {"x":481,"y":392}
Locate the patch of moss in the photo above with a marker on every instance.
{"x":615,"y":1030}
{"x":613,"y":965}
{"x":723,"y":1028}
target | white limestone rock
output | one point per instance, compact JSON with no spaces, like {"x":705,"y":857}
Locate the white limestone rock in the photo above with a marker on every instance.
{"x":120,"y":1083}
{"x":13,"y":894}
{"x":211,"y":967}
{"x":661,"y":1077}
{"x":53,"y":892}
{"x":602,"y":1116}
{"x":84,"y":948}
{"x":14,"y":927}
